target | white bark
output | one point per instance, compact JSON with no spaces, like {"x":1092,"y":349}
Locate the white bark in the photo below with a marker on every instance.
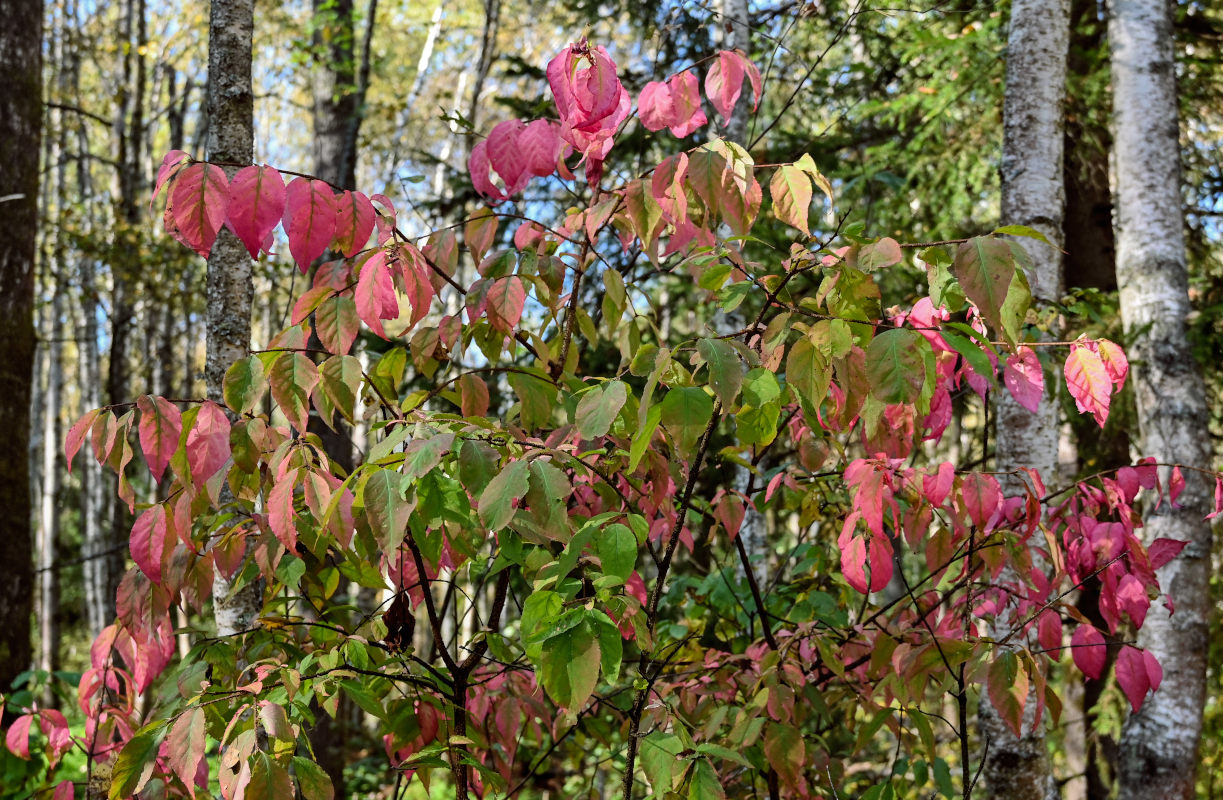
{"x":1032,"y":194}
{"x":1159,"y":744}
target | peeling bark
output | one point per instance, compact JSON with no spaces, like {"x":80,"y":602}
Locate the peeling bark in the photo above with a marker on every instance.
{"x":1159,"y":744}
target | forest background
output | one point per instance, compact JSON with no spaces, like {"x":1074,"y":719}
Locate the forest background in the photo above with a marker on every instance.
{"x":901,"y":112}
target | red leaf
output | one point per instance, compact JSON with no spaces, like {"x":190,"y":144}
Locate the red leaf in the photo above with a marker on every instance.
{"x":1088,"y":381}
{"x":354,"y":222}
{"x":686,"y":104}
{"x":65,"y":790}
{"x":982,"y":498}
{"x":148,"y":541}
{"x":1089,"y":651}
{"x":415,"y":272}
{"x":853,"y":562}
{"x":1133,"y":677}
{"x":18,"y":737}
{"x":384,"y":217}
{"x":208,"y":442}
{"x":170,"y":165}
{"x":199,"y":198}
{"x":1176,"y":485}
{"x":506,"y":298}
{"x":1049,"y":632}
{"x":256,"y":204}
{"x":281,"y":516}
{"x":309,"y":220}
{"x":1024,"y":378}
{"x":936,"y":486}
{"x":1164,"y":550}
{"x":478,"y":167}
{"x":1218,"y":497}
{"x":186,"y":744}
{"x":505,"y":156}
{"x":540,"y":143}
{"x":160,"y":427}
{"x":375,"y":293}
{"x":76,"y":436}
{"x":730,"y":511}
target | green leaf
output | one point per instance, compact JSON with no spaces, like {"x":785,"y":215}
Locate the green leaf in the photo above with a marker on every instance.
{"x":972,"y":353}
{"x":685,"y":412}
{"x":269,"y":779}
{"x":757,"y":418}
{"x":383,"y":497}
{"x":477,"y":465}
{"x":985,"y":267}
{"x":314,"y":783}
{"x":704,"y":783}
{"x":1007,"y":685}
{"x":536,"y":398}
{"x":598,"y":409}
{"x":540,"y":610}
{"x":660,"y":758}
{"x":496,"y":507}
{"x":643,"y":437}
{"x":809,"y":371}
{"x":725,"y":368}
{"x":340,"y":378}
{"x":611,"y":644}
{"x":895,"y":366}
{"x":786,"y":752}
{"x":136,"y":760}
{"x":292,"y":377}
{"x":1023,"y":230}
{"x":617,"y":548}
{"x":791,"y":192}
{"x":244,"y":384}
{"x":570,"y":667}
{"x":877,"y":255}
{"x":548,"y":499}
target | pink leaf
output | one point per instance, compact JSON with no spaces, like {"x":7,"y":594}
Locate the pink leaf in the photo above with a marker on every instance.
{"x":199,"y":199}
{"x":540,"y":143}
{"x":505,"y":155}
{"x":1049,"y":632}
{"x":1089,"y":651}
{"x":18,"y":737}
{"x":686,"y":104}
{"x":415,"y":272}
{"x":160,"y":427}
{"x":64,"y":790}
{"x":1176,"y":485}
{"x":354,"y":222}
{"x":936,"y":486}
{"x":76,"y":435}
{"x":1132,"y":599}
{"x":654,"y":106}
{"x":375,"y":293}
{"x":384,"y":217}
{"x":1164,"y":550}
{"x":1024,"y":378}
{"x":730,"y":511}
{"x":1088,"y":381}
{"x":281,"y":517}
{"x":208,"y":442}
{"x":256,"y":204}
{"x":724,"y":82}
{"x":309,"y":220}
{"x":853,"y":563}
{"x":1155,"y":673}
{"x":506,"y":298}
{"x":982,"y":498}
{"x":1132,"y":675}
{"x":148,"y":541}
{"x":170,"y":165}
{"x":1115,"y":363}
{"x":1218,"y":497}
{"x":478,"y":167}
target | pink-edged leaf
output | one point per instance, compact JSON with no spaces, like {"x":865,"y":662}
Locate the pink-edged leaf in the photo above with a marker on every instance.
{"x":478,"y":167}
{"x":506,"y":298}
{"x":1088,"y":650}
{"x":853,"y":563}
{"x":208,"y":442}
{"x":1132,"y":675}
{"x":281,"y":516}
{"x":186,"y":744}
{"x":730,"y":511}
{"x":385,"y":217}
{"x":1007,"y":686}
{"x":1164,"y":550}
{"x":354,"y":222}
{"x":375,"y":293}
{"x":1088,"y":381}
{"x":256,"y":204}
{"x":1049,"y":632}
{"x":1024,"y":378}
{"x":724,"y":82}
{"x":687,"y":115}
{"x":654,"y":106}
{"x":161,"y":423}
{"x":18,"y":737}
{"x":415,"y":272}
{"x":1176,"y":485}
{"x":336,"y":323}
{"x":292,"y":378}
{"x":148,"y":541}
{"x":200,"y":199}
{"x":791,"y":192}
{"x":170,"y":165}
{"x":1115,"y":363}
{"x":76,"y":435}
{"x":596,"y":88}
{"x":309,"y":220}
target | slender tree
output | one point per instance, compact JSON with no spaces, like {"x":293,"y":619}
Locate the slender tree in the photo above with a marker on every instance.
{"x":20,"y":132}
{"x":230,"y":290}
{"x":1159,"y":744}
{"x":1033,"y":194}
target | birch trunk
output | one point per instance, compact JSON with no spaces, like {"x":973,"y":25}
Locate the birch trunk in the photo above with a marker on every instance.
{"x":20,"y":131}
{"x":230,"y":139}
{"x":1159,"y":744}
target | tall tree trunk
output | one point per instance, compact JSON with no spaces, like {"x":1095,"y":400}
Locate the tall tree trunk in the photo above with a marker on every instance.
{"x":1159,"y":744}
{"x":1033,"y":194}
{"x":230,"y":139}
{"x":20,"y":130}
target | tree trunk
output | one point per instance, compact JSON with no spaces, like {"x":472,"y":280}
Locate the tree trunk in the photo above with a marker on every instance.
{"x":20,"y":129}
{"x":1032,"y":194}
{"x":1159,"y":744}
{"x":230,"y":290}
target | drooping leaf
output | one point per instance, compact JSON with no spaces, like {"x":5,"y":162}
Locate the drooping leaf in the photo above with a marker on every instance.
{"x":809,"y":371}
{"x":199,"y":199}
{"x":473,"y":395}
{"x":685,"y":412}
{"x":1024,"y":378}
{"x":245,"y":384}
{"x":160,"y":427}
{"x":598,"y":409}
{"x":314,"y":783}
{"x":1007,"y":685}
{"x":134,"y":765}
{"x":569,"y":666}
{"x":186,"y":744}
{"x":497,"y":502}
{"x":506,"y":297}
{"x":617,"y":548}
{"x":1137,"y":673}
{"x":790,"y":189}
{"x":756,"y":419}
{"x":257,"y":203}
{"x":724,"y":82}
{"x":786,"y":751}
{"x":1088,"y":381}
{"x":375,"y":293}
{"x":148,"y":541}
{"x":383,"y":498}
{"x":896,"y":367}
{"x":340,"y":379}
{"x":1088,"y":650}
{"x":336,"y":323}
{"x":878,"y":255}
{"x":292,"y":377}
{"x":354,"y":222}
{"x":725,"y":369}
{"x":309,"y":220}
{"x":208,"y":442}
{"x":985,"y":268}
